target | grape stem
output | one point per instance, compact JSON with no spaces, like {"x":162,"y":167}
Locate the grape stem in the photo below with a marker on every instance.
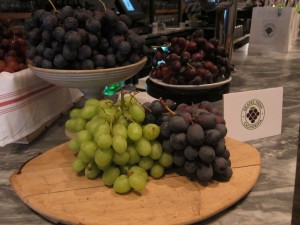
{"x":53,"y":6}
{"x":166,"y":107}
{"x":103,"y":4}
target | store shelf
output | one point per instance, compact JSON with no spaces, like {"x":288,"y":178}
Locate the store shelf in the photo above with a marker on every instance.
{"x":16,"y":15}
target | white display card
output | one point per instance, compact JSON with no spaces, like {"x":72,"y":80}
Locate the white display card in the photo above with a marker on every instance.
{"x":254,"y":114}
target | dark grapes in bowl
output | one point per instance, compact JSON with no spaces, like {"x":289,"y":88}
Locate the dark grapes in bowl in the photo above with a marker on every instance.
{"x":196,"y":63}
{"x":82,"y":48}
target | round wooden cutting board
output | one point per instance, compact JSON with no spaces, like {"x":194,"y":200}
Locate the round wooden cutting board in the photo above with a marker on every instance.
{"x":48,"y":185}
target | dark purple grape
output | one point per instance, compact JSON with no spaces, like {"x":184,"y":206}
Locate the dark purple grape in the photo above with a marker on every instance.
{"x":59,"y":34}
{"x":84,"y":52}
{"x":179,"y":158}
{"x":49,"y":54}
{"x":149,"y":118}
{"x":178,"y":141}
{"x":206,"y":153}
{"x":47,"y":36}
{"x":124,"y":47}
{"x":204,"y":172}
{"x":30,"y":24}
{"x":121,"y":27}
{"x":212,"y":137}
{"x":69,"y":53}
{"x":195,"y":135}
{"x":93,"y":26}
{"x":178,"y":124}
{"x":116,"y":40}
{"x":222,"y":129}
{"x":87,"y":64}
{"x":110,"y":17}
{"x":99,"y":60}
{"x":120,"y":57}
{"x":190,"y":152}
{"x":190,"y":167}
{"x":37,"y":61}
{"x":84,"y":35}
{"x":47,"y":64}
{"x":126,"y":19}
{"x":103,"y":44}
{"x":136,"y":41}
{"x":206,"y":105}
{"x":220,"y":147}
{"x":70,"y":23}
{"x":64,"y":12}
{"x":92,"y":40}
{"x":157,"y":108}
{"x":57,"y":46}
{"x":40,"y":48}
{"x":110,"y":60}
{"x":226,"y":155}
{"x":50,"y":22}
{"x":60,"y":62}
{"x":35,"y":36}
{"x":37,"y":14}
{"x":166,"y":145}
{"x":134,"y":57}
{"x":73,"y":39}
{"x":206,"y":120}
{"x":164,"y":129}
{"x":31,"y":52}
{"x":225,"y":176}
{"x":219,"y":165}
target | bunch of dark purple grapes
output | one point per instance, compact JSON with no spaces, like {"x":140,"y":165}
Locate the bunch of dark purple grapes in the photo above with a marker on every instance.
{"x":192,"y":62}
{"x":195,"y":136}
{"x":82,"y":39}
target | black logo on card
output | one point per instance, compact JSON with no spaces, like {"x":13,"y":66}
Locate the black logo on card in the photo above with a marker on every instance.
{"x":253,"y":114}
{"x":269,"y":30}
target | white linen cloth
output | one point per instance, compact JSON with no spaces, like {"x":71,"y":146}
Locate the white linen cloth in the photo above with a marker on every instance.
{"x":27,"y":102}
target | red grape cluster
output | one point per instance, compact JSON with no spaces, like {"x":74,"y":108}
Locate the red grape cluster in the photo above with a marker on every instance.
{"x":195,"y":136}
{"x":82,"y":39}
{"x":252,"y":114}
{"x":13,"y":46}
{"x":192,"y":62}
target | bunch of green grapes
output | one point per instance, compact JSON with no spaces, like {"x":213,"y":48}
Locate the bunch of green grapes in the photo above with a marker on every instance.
{"x":114,"y":142}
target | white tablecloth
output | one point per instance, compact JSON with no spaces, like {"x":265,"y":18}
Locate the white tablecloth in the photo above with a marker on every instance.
{"x":27,"y":102}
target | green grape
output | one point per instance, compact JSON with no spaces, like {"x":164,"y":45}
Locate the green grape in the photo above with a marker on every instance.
{"x":83,"y":136}
{"x":109,"y":114}
{"x":110,"y":175}
{"x":137,"y":182}
{"x":92,"y":125}
{"x":121,"y":158}
{"x":119,"y":129}
{"x":122,"y":120}
{"x":129,"y":100}
{"x":89,"y":148}
{"x":134,"y":156}
{"x":119,"y":143}
{"x":121,"y":184}
{"x":137,"y":113}
{"x":157,"y":150}
{"x":104,"y":103}
{"x":143,"y":147}
{"x":166,"y":160}
{"x":70,"y":125}
{"x":157,"y":171}
{"x":139,"y":170}
{"x":83,"y":157}
{"x":102,"y":128}
{"x":88,"y":112}
{"x":79,"y":124}
{"x":151,"y":131}
{"x":91,"y":171}
{"x":75,"y":113}
{"x":104,"y":157}
{"x":134,"y":131}
{"x":74,"y":145}
{"x":104,"y":141}
{"x":91,"y":101}
{"x":146,"y":162}
{"x":78,"y":165}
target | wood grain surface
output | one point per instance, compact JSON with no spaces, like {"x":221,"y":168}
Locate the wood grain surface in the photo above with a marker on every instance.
{"x":48,"y":185}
